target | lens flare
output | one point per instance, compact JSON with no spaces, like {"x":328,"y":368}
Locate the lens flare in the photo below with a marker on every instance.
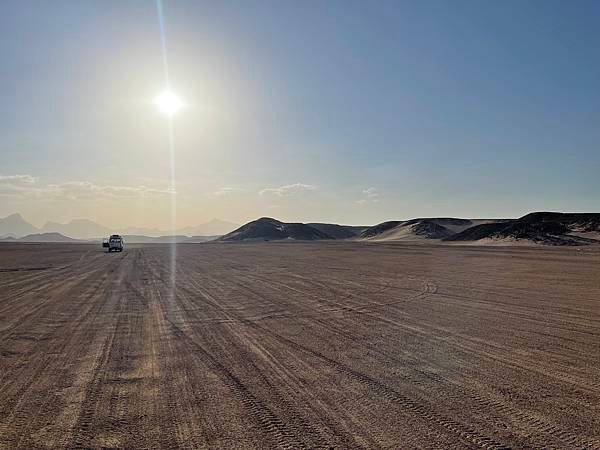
{"x":168,"y":103}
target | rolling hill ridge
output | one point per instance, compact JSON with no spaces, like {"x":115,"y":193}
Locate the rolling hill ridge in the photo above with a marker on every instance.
{"x":548,"y":228}
{"x":269,"y":229}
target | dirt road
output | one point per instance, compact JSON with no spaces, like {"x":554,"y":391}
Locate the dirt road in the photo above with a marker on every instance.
{"x":343,"y":345}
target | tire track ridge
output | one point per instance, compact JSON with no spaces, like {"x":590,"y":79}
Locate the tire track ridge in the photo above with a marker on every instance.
{"x":269,"y":421}
{"x":546,"y":428}
{"x":468,"y":434}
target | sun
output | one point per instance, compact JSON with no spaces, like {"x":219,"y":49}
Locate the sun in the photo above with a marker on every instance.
{"x":168,"y":103}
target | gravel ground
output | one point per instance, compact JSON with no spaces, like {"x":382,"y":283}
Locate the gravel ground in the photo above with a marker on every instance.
{"x":299,"y":345}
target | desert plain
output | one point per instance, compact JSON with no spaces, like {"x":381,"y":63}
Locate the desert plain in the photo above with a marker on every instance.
{"x":299,"y":345}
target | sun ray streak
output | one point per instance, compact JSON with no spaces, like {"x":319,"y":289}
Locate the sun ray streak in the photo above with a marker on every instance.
{"x":173,"y":207}
{"x":173,"y":265}
{"x":163,"y":41}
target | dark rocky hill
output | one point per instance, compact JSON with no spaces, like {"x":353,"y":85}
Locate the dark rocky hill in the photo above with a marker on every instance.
{"x":416,"y":229}
{"x":380,"y":228}
{"x":268,"y":229}
{"x":549,"y":228}
{"x":338,"y":231}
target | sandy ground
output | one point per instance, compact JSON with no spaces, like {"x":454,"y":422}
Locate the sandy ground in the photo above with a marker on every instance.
{"x":346,"y":345}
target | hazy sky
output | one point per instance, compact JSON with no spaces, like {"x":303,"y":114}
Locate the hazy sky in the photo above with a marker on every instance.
{"x":349,"y":111}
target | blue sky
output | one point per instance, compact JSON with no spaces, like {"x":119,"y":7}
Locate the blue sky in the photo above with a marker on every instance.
{"x":348,"y":111}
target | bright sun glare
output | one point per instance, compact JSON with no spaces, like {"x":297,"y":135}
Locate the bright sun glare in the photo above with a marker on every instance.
{"x":168,"y":103}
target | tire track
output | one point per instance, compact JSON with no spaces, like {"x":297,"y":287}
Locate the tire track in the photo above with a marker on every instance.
{"x":293,"y":418}
{"x":468,"y":435}
{"x":285,"y":433}
{"x":540,"y":426}
{"x":537,"y":424}
{"x":24,"y":379}
{"x":298,"y":346}
{"x":270,"y":423}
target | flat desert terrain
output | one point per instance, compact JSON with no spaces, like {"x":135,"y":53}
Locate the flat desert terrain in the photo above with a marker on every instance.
{"x":299,"y":345}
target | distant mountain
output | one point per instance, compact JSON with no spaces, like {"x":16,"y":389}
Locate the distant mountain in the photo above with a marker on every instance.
{"x":268,"y":229}
{"x":170,"y":239}
{"x":338,"y":231}
{"x":214,"y":227}
{"x":78,"y":228}
{"x":141,"y":239}
{"x":418,"y":229}
{"x":549,"y":228}
{"x":200,"y":239}
{"x":46,"y":237}
{"x":142,"y":231}
{"x":137,"y":239}
{"x":14,"y":225}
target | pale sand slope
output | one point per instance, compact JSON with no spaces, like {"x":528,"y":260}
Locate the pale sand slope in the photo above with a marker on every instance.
{"x":409,"y":230}
{"x":586,"y":234}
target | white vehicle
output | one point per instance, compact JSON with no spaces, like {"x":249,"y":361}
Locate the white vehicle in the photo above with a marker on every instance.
{"x":113,"y":243}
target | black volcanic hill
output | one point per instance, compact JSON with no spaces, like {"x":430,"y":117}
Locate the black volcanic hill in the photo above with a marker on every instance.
{"x":415,"y":229}
{"x":574,"y":221}
{"x":478,"y":232}
{"x":379,"y":228}
{"x":549,"y":228}
{"x":428,"y":229}
{"x":338,"y":231}
{"x":268,"y":229}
